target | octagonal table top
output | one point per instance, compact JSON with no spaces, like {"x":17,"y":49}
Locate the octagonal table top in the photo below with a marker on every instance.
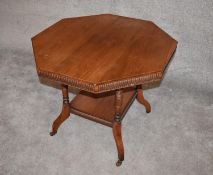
{"x":103,"y":52}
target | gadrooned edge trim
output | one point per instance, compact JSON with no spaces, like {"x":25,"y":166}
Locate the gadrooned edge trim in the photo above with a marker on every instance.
{"x":104,"y":87}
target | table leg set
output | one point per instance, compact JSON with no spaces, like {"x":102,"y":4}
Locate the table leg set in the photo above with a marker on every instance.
{"x":109,"y":109}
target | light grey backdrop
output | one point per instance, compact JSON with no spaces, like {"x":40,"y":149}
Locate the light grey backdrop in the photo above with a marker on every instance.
{"x":176,"y":138}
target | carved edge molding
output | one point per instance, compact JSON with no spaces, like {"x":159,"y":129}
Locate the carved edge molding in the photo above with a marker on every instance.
{"x":104,"y":87}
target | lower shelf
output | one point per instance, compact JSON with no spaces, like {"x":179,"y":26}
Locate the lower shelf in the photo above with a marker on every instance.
{"x":100,"y":108}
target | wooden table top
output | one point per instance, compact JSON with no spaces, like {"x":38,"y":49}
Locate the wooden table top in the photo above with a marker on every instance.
{"x":103,"y":52}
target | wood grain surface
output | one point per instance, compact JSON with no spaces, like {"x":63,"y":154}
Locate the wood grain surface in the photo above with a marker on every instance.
{"x":103,"y":52}
{"x":101,"y":108}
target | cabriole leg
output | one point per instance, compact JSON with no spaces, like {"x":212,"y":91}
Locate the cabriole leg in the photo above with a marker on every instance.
{"x":142,"y":100}
{"x":65,"y":113}
{"x":117,"y":128}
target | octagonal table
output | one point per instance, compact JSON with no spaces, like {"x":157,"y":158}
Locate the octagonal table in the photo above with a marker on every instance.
{"x":108,"y":58}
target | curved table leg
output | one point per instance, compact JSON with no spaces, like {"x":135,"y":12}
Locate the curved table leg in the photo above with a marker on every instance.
{"x":65,"y":113}
{"x":142,"y":100}
{"x":117,"y":128}
{"x":119,"y":143}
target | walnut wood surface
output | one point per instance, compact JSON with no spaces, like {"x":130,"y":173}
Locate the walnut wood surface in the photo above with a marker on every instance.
{"x":101,"y":108}
{"x":103,"y":52}
{"x":107,"y":108}
{"x":119,"y":142}
{"x":116,"y":128}
{"x":105,"y":56}
{"x":142,"y":100}
{"x":65,"y":113}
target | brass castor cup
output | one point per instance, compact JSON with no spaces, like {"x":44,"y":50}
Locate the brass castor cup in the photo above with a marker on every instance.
{"x":148,"y":111}
{"x":52,"y":133}
{"x":118,"y":163}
